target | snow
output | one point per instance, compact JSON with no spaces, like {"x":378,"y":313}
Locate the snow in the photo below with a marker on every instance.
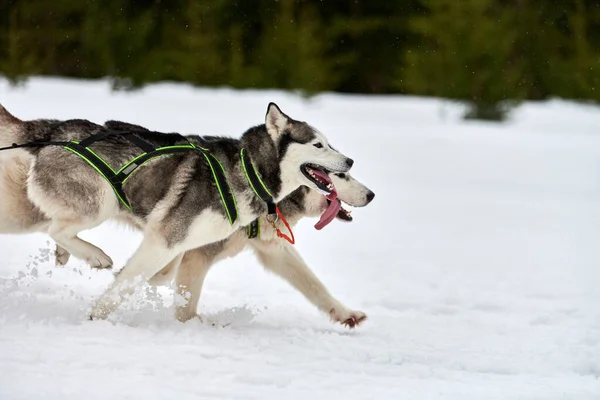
{"x":477,"y":264}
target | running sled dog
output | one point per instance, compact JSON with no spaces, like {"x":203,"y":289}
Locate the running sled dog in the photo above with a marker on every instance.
{"x":275,"y":255}
{"x":203,"y":192}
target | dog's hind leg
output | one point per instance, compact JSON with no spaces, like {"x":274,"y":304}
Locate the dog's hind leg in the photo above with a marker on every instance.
{"x":64,"y":233}
{"x":283,"y":260}
{"x":189,"y":281}
{"x":17,"y":213}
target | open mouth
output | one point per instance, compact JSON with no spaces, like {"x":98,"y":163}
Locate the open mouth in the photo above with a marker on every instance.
{"x":343,"y":214}
{"x":334,"y":210}
{"x":318,"y":175}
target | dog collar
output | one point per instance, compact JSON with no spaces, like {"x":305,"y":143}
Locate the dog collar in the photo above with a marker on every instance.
{"x":259,"y":188}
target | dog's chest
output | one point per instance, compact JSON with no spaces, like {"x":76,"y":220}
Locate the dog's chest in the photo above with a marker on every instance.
{"x":208,"y":227}
{"x":211,"y":226}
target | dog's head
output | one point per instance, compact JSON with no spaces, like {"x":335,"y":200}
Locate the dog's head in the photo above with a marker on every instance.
{"x":349,"y":191}
{"x":306,"y":158}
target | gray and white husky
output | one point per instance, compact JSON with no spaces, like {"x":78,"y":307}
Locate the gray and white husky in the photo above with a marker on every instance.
{"x":274,"y":254}
{"x":19,"y":215}
{"x":174,"y":199}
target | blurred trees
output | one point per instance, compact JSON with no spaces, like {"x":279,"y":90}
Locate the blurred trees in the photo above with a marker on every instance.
{"x":467,"y":51}
{"x":487,"y":52}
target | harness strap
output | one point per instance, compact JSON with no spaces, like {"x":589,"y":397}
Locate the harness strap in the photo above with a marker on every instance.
{"x":260,"y":189}
{"x":101,"y":167}
{"x":254,"y":229}
{"x":118,"y":178}
{"x":227,"y":197}
{"x":146,"y":146}
{"x":256,"y":183}
{"x":139,"y":142}
{"x":33,"y":144}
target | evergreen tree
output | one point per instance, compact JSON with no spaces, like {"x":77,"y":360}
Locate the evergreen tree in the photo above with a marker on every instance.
{"x":485,"y":52}
{"x":291,"y":54}
{"x":466,"y":53}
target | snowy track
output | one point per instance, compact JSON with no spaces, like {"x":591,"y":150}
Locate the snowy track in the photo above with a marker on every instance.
{"x":478,"y":264}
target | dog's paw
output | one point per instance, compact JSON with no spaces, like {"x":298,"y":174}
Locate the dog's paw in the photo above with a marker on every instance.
{"x":61,"y":256}
{"x":185,"y":313}
{"x":99,"y":312}
{"x":100,"y":261}
{"x":347,"y":317}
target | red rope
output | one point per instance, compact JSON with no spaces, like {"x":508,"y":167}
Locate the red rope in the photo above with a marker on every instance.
{"x":283,"y":235}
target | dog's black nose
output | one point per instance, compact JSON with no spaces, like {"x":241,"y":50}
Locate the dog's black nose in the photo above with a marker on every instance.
{"x":350,"y":162}
{"x":370,"y":196}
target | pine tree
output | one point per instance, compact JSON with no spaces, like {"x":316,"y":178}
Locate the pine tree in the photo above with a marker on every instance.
{"x":291,"y":54}
{"x":466,"y":53}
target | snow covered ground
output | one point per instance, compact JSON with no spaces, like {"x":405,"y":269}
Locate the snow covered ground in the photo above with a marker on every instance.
{"x":478,"y":264}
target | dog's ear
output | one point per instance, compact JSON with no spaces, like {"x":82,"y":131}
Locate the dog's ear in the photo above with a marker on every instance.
{"x":275,"y":120}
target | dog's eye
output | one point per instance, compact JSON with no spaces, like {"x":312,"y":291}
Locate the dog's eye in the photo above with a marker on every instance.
{"x":318,"y":145}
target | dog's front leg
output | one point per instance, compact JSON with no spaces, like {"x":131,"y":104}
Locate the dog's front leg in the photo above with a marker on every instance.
{"x":61,"y":256}
{"x":283,"y":260}
{"x":189,"y":281}
{"x":152,"y":255}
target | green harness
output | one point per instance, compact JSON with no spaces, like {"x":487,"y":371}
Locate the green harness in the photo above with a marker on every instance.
{"x":118,"y":178}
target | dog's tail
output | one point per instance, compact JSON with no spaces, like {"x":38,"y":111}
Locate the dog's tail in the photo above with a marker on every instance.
{"x":11,"y":128}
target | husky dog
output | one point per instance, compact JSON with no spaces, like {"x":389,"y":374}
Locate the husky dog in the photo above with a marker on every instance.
{"x":274,"y":254}
{"x":173,"y":199}
{"x":19,"y":215}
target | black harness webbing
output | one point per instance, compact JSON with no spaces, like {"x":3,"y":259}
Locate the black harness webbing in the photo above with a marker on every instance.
{"x":253,"y":229}
{"x":33,"y":144}
{"x":256,"y":183}
{"x":118,"y":178}
{"x":261,"y":191}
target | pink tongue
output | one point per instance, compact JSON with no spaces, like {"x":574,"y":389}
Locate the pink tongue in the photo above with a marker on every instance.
{"x":329,"y":214}
{"x":325,"y":177}
{"x":322,"y":175}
